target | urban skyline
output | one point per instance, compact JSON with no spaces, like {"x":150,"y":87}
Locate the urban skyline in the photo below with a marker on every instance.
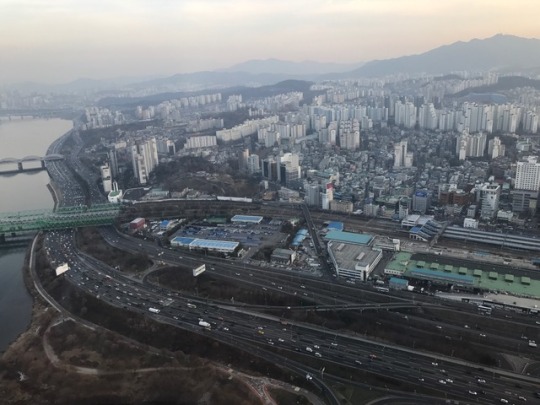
{"x":70,"y":40}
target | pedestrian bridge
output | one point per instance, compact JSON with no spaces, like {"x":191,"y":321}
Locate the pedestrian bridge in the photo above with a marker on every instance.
{"x":62,"y":218}
{"x":17,"y":165}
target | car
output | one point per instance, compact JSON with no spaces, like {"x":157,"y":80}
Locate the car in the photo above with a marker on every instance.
{"x":261,"y":332}
{"x":504,"y":401}
{"x":481,"y":381}
{"x":309,"y":349}
{"x":433,"y":363}
{"x":333,"y":344}
{"x":439,"y":327}
{"x":421,"y":379}
{"x":316,"y":346}
{"x":522,"y":398}
{"x":281,"y":340}
{"x":358,"y":362}
{"x":467,"y":327}
{"x":309,"y":377}
{"x":317,"y":354}
{"x":442,"y":382}
{"x":482,"y":335}
{"x":225,"y":329}
{"x":449,"y":380}
{"x":473,"y":392}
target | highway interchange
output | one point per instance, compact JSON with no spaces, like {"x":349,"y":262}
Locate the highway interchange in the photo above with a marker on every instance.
{"x":270,"y":336}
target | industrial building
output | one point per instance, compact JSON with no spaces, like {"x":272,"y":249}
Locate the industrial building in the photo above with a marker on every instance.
{"x":481,"y":277}
{"x":283,"y":256}
{"x":352,"y":254}
{"x":220,"y":246}
{"x":353,"y":261}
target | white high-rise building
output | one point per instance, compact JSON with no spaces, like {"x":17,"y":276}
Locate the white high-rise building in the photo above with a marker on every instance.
{"x":528,"y":174}
{"x":495,"y":148}
{"x":427,"y":117}
{"x":144,"y":158}
{"x":106,"y":178}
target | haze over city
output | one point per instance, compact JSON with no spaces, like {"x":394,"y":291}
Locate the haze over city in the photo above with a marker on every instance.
{"x":59,"y":41}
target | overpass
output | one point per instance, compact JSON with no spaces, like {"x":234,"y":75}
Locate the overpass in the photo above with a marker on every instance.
{"x":32,"y":158}
{"x":62,"y":218}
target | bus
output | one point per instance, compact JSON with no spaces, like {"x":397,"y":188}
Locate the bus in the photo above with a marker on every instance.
{"x":484,"y":309}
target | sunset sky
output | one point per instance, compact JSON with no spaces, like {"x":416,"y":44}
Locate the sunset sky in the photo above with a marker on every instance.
{"x":57,"y":41}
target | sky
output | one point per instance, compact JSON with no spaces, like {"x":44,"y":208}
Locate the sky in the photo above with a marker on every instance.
{"x":56,"y":41}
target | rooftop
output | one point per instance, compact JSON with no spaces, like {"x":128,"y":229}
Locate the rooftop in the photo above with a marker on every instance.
{"x":255,"y":219}
{"x":349,"y":237}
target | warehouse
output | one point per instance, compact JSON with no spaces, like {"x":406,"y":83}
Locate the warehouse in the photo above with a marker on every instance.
{"x":221,"y":246}
{"x":247,"y":219}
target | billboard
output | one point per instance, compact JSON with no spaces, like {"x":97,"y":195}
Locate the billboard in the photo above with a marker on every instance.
{"x":62,"y":269}
{"x":199,"y":270}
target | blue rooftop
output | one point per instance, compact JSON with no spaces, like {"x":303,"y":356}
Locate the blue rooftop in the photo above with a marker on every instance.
{"x":400,"y":281}
{"x":349,"y":237}
{"x":214,"y":244}
{"x":335,"y":226}
{"x":441,"y":276}
{"x":181,"y":240}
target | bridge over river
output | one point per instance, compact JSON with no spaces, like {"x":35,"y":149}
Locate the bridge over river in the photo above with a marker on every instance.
{"x":17,"y":165}
{"x":62,"y":218}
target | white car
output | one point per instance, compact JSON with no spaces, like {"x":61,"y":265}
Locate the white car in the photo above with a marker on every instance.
{"x":473,"y":392}
{"x":504,"y":401}
{"x":442,"y":382}
{"x":481,"y":381}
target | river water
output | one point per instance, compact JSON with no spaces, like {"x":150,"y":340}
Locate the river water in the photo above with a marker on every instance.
{"x":22,"y":191}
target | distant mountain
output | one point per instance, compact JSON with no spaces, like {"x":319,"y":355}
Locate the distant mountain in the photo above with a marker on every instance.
{"x":500,"y":53}
{"x":246,"y":92}
{"x":79,"y":85}
{"x":284,"y":67}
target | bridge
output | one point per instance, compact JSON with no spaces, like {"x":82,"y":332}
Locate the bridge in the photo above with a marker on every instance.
{"x":62,"y":218}
{"x":33,"y":158}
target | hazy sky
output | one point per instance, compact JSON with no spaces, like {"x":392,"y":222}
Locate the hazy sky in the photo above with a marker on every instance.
{"x":61,"y":40}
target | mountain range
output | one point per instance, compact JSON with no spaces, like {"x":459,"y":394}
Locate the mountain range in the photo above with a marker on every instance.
{"x":501,"y":53}
{"x":498,"y":53}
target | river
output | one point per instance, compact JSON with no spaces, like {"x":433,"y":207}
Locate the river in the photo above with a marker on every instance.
{"x":23,"y":191}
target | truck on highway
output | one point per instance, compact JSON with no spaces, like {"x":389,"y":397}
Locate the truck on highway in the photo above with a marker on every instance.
{"x":154,"y":310}
{"x":205,"y":324}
